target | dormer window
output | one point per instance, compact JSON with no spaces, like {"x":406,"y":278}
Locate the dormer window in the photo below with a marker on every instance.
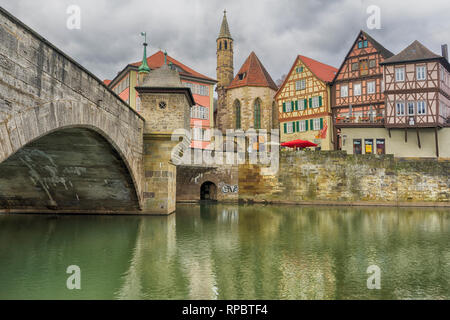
{"x":242,"y":75}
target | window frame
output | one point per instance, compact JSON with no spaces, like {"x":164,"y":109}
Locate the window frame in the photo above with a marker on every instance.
{"x":346,"y":91}
{"x":397,"y":103}
{"x":418,"y":109}
{"x":359,"y":85}
{"x":424,"y":67}
{"x":413,"y":108}
{"x":374,"y":86}
{"x":402,"y":73}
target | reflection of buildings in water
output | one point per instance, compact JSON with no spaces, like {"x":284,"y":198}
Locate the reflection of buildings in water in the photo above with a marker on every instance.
{"x":154,"y":250}
{"x":229,"y":215}
{"x":234,"y":252}
{"x":307,"y":276}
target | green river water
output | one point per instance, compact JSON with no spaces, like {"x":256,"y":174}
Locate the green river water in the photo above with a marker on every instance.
{"x":229,"y":252}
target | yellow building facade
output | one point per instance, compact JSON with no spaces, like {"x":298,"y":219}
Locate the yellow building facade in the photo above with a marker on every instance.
{"x":304,"y":103}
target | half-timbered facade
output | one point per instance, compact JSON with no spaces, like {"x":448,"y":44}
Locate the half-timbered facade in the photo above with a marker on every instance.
{"x":304,"y":103}
{"x":358,"y":104}
{"x":417,"y":99}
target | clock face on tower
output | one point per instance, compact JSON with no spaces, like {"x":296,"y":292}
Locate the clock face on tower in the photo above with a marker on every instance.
{"x":162,"y":105}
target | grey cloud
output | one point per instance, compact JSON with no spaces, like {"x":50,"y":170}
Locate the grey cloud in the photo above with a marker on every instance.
{"x":276,"y":30}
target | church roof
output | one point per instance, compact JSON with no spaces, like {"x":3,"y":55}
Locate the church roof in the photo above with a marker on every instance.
{"x":414,"y":52}
{"x":157,"y":60}
{"x":224,"y":29}
{"x":252,"y":74}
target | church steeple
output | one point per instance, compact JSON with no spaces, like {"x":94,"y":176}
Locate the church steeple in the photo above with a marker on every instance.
{"x":224,"y":30}
{"x":224,"y":54}
{"x":224,"y":69}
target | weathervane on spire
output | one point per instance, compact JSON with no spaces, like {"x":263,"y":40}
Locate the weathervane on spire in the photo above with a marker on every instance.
{"x":144,"y":34}
{"x":225,"y":12}
{"x":144,"y":66}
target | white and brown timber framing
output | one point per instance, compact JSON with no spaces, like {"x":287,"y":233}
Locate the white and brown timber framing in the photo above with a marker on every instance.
{"x":433,"y":89}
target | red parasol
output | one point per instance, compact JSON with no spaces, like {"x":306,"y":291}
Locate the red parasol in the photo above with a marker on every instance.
{"x":298,"y":144}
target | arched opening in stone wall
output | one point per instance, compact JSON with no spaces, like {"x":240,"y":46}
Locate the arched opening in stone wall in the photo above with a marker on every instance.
{"x":208,"y":191}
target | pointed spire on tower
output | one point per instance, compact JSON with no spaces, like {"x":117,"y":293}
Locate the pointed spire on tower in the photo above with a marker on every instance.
{"x":224,"y":29}
{"x":143,"y":68}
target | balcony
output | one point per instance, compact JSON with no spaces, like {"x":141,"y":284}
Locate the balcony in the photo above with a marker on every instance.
{"x":355,"y":120}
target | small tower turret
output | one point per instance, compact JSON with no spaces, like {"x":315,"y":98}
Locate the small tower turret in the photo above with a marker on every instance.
{"x":224,"y":69}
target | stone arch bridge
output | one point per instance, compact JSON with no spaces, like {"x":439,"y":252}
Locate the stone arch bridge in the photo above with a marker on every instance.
{"x":67,"y":142}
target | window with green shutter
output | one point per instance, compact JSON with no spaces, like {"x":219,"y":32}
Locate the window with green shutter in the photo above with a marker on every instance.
{"x":284,"y":106}
{"x":320,"y":101}
{"x":297,"y":124}
{"x":306,"y":125}
{"x":311,"y":124}
{"x":306,"y":104}
{"x":285,"y":127}
{"x":296,"y":104}
{"x":292,"y":105}
{"x":321,"y":123}
{"x":310,"y":103}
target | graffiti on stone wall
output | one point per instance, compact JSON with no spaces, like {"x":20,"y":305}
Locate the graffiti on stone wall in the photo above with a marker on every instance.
{"x":226,"y":188}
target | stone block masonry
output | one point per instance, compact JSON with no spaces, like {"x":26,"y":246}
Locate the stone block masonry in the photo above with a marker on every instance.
{"x":333,"y":177}
{"x":43,"y":91}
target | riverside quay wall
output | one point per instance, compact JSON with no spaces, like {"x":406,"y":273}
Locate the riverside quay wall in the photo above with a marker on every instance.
{"x":334,"y":177}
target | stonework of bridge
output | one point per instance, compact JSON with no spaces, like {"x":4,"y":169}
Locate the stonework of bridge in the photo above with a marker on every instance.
{"x":67,"y":142}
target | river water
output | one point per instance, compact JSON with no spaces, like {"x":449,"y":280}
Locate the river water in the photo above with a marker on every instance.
{"x":229,"y":252}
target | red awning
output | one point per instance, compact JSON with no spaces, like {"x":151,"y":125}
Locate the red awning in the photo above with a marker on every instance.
{"x":298,"y":144}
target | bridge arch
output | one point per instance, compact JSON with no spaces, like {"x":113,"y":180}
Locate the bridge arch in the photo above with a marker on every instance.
{"x":43,"y":91}
{"x":72,"y":168}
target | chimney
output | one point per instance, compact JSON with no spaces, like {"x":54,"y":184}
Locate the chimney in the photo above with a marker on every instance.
{"x":444,"y":51}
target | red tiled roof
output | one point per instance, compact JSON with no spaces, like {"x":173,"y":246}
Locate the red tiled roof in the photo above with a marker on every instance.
{"x":157,"y":60}
{"x":321,"y":70}
{"x":255,"y":75}
{"x":106,"y":82}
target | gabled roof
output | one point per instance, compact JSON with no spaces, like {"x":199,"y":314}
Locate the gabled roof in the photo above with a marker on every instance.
{"x":157,"y":60}
{"x":414,"y":52}
{"x":322,"y":71}
{"x":255,"y":75}
{"x":224,"y":29}
{"x":385,"y":53}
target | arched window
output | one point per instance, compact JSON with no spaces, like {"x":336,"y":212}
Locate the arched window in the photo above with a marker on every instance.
{"x":220,"y":45}
{"x":225,"y":45}
{"x":257,"y":114}
{"x":237,"y":113}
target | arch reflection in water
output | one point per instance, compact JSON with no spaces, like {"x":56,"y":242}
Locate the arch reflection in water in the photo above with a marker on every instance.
{"x":229,"y":252}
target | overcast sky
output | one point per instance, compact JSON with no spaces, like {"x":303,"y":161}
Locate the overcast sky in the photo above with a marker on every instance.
{"x":277,"y":30}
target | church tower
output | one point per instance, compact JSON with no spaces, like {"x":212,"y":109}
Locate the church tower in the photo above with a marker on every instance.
{"x":224,"y":69}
